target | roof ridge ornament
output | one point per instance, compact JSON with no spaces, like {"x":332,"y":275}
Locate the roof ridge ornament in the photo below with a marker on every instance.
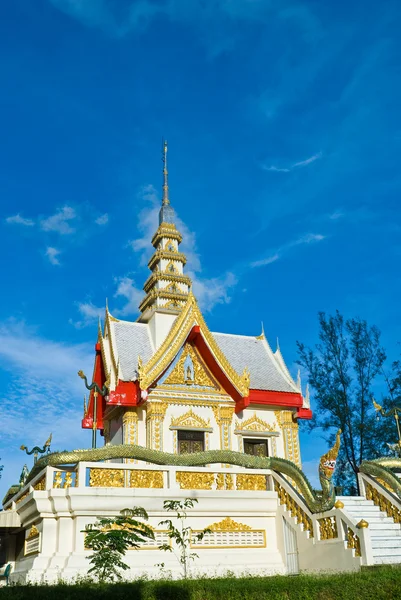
{"x":262,"y":335}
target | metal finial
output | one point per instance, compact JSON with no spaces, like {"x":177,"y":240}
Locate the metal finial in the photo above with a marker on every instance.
{"x":166,"y":199}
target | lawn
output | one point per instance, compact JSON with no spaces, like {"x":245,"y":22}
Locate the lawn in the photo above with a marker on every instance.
{"x":372,"y":584}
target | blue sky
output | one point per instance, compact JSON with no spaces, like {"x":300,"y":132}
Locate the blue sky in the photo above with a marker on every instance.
{"x":284,"y":133}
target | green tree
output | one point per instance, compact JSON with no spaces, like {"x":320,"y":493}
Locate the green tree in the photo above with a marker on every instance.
{"x":181,"y":535}
{"x":342,"y":369}
{"x":110,"y":538}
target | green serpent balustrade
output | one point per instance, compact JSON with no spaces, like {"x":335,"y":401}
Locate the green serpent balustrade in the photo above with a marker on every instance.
{"x":315,"y":502}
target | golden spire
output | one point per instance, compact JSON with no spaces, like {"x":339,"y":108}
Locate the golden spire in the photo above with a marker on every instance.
{"x":166,"y":199}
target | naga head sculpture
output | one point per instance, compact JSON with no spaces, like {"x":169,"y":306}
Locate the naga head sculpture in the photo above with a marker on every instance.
{"x":328,"y":461}
{"x":81,"y":374}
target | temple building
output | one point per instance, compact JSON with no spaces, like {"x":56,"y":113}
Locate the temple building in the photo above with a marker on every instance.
{"x":178,"y":411}
{"x":176,"y":386}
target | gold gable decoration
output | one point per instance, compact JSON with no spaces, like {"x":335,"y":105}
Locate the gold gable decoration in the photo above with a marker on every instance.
{"x":190,"y":316}
{"x":190,"y":420}
{"x":197,"y":375}
{"x":254,"y":423}
{"x":228,"y":524}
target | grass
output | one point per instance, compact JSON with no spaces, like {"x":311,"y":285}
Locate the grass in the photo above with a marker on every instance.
{"x":369,"y":584}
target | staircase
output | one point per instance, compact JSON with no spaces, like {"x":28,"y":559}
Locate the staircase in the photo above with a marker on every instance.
{"x":384,"y":533}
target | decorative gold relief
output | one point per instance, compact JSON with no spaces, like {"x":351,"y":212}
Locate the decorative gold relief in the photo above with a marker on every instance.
{"x":130,"y":428}
{"x":328,"y":528}
{"x":33,"y":532}
{"x":189,"y":316}
{"x":251,"y":482}
{"x":146,"y":479}
{"x":224,"y":417}
{"x":254,"y":423}
{"x":67,"y":479}
{"x":21,"y":498}
{"x":57,"y":480}
{"x":41,"y":484}
{"x":190,"y":420}
{"x":106,"y":478}
{"x":195,"y":481}
{"x":290,"y":435}
{"x":155,"y":413}
{"x":228,"y":524}
{"x":353,"y":542}
{"x":383,"y":503}
{"x":224,"y":481}
{"x":194,"y":374}
{"x":294,"y":508}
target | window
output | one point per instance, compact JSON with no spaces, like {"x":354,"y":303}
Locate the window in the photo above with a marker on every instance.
{"x":256,"y":447}
{"x":190,"y":441}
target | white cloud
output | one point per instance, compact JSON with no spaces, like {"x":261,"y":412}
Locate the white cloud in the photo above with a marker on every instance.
{"x":60,"y":221}
{"x":297,"y":165}
{"x":102,"y":220}
{"x":52,"y":254}
{"x":89,"y":312}
{"x":126,"y":289}
{"x":208,"y":291}
{"x":308,"y":238}
{"x":308,"y":161}
{"x":266,"y":261}
{"x":44,"y":394}
{"x":18,"y":220}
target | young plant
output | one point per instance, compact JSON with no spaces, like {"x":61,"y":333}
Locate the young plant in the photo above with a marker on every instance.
{"x":181,"y":535}
{"x":110,"y":538}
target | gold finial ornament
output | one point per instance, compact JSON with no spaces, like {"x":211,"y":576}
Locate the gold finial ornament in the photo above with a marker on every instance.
{"x":339,"y":504}
{"x":166,"y":199}
{"x":328,"y":460}
{"x":362,"y":524}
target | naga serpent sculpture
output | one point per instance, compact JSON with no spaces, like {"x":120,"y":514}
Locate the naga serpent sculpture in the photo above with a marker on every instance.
{"x":384,"y":469}
{"x":315,"y":502}
{"x":94,"y":386}
{"x":36,"y":450}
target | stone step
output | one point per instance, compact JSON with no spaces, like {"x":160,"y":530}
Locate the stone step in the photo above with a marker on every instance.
{"x":391,"y":526}
{"x":387,"y":533}
{"x":365,"y":509}
{"x":387,"y":560}
{"x":386,"y":542}
{"x":386,"y":551}
{"x":373,"y":519}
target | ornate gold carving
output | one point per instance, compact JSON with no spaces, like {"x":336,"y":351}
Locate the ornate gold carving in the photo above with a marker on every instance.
{"x":290,"y":435}
{"x":353,"y":542}
{"x":21,"y":498}
{"x":57,"y":480}
{"x":228,"y":524}
{"x":166,"y":276}
{"x":383,"y":503}
{"x":146,"y":479}
{"x":106,"y":478}
{"x":164,"y":294}
{"x":195,"y":481}
{"x":67,"y":479}
{"x":166,"y":230}
{"x":294,"y":508}
{"x":198,"y":375}
{"x":33,"y":532}
{"x":251,"y":482}
{"x":130,"y":429}
{"x":190,"y":420}
{"x":254,"y":423}
{"x":189,"y":316}
{"x":164,"y":254}
{"x":224,"y":417}
{"x":224,"y":481}
{"x":328,"y":528}
{"x":155,"y":413}
{"x":41,"y":484}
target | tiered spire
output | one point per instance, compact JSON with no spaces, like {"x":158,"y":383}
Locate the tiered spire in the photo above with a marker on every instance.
{"x":167,"y":287}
